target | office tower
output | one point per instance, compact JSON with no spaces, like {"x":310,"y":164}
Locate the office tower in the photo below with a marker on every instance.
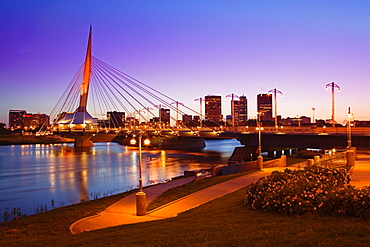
{"x":241,"y":111}
{"x":33,"y":121}
{"x":164,"y":115}
{"x":187,"y":118}
{"x":116,"y":119}
{"x":16,"y":119}
{"x":264,"y":106}
{"x":20,"y":119}
{"x":213,"y":108}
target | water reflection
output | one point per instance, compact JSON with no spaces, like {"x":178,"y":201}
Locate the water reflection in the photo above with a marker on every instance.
{"x":57,"y":175}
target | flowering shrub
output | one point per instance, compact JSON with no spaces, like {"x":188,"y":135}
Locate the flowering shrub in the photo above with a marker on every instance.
{"x":348,"y":201}
{"x":314,"y":189}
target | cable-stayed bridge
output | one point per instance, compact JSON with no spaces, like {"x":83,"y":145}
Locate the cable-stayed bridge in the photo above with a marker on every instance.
{"x":98,"y":89}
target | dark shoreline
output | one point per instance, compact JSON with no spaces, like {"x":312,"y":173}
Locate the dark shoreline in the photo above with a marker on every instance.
{"x":32,"y":139}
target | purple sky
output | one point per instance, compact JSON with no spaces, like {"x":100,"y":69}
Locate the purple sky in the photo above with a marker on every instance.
{"x":189,"y":49}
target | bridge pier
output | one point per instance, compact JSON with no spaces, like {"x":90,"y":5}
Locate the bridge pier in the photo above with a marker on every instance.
{"x":83,"y":141}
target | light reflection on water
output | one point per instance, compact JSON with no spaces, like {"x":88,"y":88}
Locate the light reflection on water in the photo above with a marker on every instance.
{"x":44,"y":175}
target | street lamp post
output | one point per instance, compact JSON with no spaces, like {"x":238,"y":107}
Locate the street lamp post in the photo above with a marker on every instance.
{"x":232,"y":108}
{"x":140,"y":196}
{"x":299,"y":121}
{"x":313,"y":115}
{"x":349,"y":139}
{"x":259,"y":158}
{"x":333,"y":86}
{"x":351,"y":153}
{"x":177,"y":111}
{"x":259,"y":141}
{"x":200,"y":110}
{"x":275,"y":91}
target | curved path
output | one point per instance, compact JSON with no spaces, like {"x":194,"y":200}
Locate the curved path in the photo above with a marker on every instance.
{"x":124,"y":211}
{"x":360,"y":172}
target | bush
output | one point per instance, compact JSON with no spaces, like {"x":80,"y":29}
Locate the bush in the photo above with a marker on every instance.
{"x":348,"y":201}
{"x":313,"y":190}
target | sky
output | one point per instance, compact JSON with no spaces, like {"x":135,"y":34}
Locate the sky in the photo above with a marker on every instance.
{"x":190,"y":49}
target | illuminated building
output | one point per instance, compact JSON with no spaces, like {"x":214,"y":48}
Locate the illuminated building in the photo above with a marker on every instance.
{"x":16,"y":119}
{"x":187,"y":118}
{"x":20,"y":119}
{"x":34,"y":121}
{"x":264,"y":106}
{"x":132,"y":121}
{"x":213,"y":108}
{"x":164,"y":115}
{"x":241,"y":111}
{"x":296,"y":121}
{"x":116,"y":119}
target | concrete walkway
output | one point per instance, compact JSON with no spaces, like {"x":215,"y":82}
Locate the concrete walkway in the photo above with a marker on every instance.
{"x":124,"y":211}
{"x":360,"y":172}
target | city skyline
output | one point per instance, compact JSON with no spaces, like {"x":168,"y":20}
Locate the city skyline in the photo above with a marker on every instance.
{"x":189,"y":50}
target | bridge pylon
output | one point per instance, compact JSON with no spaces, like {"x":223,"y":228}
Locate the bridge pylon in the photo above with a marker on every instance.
{"x":79,"y":124}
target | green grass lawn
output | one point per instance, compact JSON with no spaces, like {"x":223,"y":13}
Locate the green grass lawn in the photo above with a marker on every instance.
{"x":187,"y":189}
{"x":222,"y":222}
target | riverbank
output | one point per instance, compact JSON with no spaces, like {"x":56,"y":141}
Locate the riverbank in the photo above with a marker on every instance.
{"x":32,"y":139}
{"x":222,"y":222}
{"x":38,"y":176}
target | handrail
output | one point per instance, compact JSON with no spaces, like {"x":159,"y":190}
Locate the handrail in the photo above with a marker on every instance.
{"x":333,"y":159}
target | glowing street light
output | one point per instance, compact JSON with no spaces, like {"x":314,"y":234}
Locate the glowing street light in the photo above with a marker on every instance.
{"x":349,"y":141}
{"x":259,"y":128}
{"x":133,"y":141}
{"x":140,"y":196}
{"x":333,"y":86}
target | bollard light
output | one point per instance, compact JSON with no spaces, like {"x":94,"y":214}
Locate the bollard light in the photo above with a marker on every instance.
{"x":133,"y":141}
{"x":146,"y":142}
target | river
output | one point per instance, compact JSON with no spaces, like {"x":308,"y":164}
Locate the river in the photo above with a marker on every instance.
{"x":39,"y":177}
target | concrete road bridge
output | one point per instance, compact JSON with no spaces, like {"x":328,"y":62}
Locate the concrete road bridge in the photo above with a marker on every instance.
{"x":272,"y":139}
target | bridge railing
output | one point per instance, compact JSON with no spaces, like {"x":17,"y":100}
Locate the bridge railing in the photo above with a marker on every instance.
{"x":333,"y":159}
{"x":252,"y":129}
{"x":296,"y":129}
